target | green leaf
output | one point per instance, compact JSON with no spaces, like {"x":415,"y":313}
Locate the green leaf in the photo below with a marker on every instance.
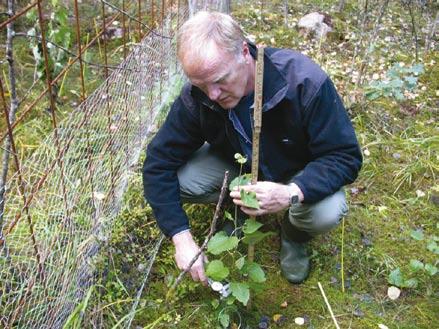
{"x":256,"y":273}
{"x":216,"y":270}
{"x":228,"y":216}
{"x":249,"y":199}
{"x":396,"y":278}
{"x":240,"y":263}
{"x":221,"y":242}
{"x":240,"y":291}
{"x":215,"y":303}
{"x":241,"y":159}
{"x":430,"y":269}
{"x":251,"y":226}
{"x":411,"y":283}
{"x":240,"y":181}
{"x":433,"y":247}
{"x":255,"y":237}
{"x":417,"y":235}
{"x":224,"y":319}
{"x":416,"y":265}
{"x":411,"y":81}
{"x":418,"y":68}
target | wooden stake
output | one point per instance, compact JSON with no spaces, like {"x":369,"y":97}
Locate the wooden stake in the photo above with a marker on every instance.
{"x":257,"y":124}
{"x":257,"y":119}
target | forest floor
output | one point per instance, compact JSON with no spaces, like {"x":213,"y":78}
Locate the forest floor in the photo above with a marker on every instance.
{"x":390,"y":235}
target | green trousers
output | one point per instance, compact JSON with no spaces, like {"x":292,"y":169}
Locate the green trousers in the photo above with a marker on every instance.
{"x":202,"y":176}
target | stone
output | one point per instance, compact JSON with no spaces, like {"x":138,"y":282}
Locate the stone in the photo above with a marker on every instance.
{"x":315,"y":24}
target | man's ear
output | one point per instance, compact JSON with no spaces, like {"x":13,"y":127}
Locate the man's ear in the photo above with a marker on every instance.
{"x":245,"y":51}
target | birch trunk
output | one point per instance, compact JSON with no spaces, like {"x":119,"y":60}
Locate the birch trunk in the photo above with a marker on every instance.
{"x":12,"y":110}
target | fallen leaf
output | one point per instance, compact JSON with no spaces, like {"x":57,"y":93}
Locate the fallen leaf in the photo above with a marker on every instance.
{"x":420,"y":193}
{"x":284,"y":304}
{"x":99,"y":195}
{"x":393,"y":292}
{"x":279,"y":319}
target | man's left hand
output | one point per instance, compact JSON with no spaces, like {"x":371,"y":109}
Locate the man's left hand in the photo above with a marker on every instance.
{"x":272,"y":197}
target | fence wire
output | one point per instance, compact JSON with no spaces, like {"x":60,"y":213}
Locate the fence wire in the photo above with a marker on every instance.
{"x":61,"y":204}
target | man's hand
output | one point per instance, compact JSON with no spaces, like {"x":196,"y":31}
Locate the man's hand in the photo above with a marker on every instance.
{"x":185,"y":250}
{"x":272,"y":197}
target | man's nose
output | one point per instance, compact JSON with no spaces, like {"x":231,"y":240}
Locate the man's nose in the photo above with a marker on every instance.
{"x":214,"y":92}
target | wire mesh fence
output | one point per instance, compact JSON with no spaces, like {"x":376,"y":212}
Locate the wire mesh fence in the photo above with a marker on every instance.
{"x":59,"y":204}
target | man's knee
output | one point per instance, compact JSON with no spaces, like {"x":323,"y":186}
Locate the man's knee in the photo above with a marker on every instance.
{"x":322,"y":216}
{"x":201,"y":177}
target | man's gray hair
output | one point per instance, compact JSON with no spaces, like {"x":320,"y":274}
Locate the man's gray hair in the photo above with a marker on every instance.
{"x":206,"y":27}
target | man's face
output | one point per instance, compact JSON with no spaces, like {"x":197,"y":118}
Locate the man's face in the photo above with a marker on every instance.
{"x":225,"y":78}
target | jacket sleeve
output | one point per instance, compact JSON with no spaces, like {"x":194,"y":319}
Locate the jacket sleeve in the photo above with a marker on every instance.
{"x":336,"y":155}
{"x":176,"y":140}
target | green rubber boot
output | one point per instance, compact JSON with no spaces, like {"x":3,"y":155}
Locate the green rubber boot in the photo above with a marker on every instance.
{"x":294,"y":259}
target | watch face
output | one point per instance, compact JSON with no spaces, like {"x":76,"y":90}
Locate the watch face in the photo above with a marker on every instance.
{"x":295,"y":199}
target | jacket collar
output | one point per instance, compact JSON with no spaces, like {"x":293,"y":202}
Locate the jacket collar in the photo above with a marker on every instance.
{"x":275,"y":86}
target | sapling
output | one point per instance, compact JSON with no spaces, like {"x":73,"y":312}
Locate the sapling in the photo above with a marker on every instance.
{"x":234,"y":276}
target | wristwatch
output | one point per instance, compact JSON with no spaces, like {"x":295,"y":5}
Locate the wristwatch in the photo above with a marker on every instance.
{"x":294,"y":199}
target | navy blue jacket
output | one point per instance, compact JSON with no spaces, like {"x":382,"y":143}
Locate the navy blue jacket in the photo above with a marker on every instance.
{"x":304,"y":127}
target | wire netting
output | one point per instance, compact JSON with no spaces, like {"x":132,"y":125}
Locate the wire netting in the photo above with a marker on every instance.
{"x":61,"y":203}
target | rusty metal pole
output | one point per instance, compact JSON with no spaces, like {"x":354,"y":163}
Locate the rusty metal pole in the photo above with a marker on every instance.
{"x":124,"y":32}
{"x":107,"y":101}
{"x":59,"y":153}
{"x":26,"y":209}
{"x":152,"y":15}
{"x":139,"y":12}
{"x":83,"y":97}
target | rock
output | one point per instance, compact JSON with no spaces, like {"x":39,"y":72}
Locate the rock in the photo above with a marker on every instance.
{"x":333,"y":280}
{"x":382,"y":326}
{"x":435,"y":199}
{"x":358,"y":312}
{"x":393,"y":292}
{"x":299,"y":321}
{"x":315,"y":24}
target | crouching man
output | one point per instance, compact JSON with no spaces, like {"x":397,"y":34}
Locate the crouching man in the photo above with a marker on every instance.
{"x":308,"y":147}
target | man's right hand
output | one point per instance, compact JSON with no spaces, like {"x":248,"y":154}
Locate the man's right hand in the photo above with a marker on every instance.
{"x":185,"y":250}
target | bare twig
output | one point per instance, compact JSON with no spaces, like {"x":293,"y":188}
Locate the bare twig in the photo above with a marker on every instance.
{"x":211,"y":232}
{"x":414,"y":32}
{"x":363,"y":68}
{"x":431,"y":32}
{"x":329,"y":306}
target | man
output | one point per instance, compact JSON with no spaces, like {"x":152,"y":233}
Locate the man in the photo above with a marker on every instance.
{"x":308,"y":148}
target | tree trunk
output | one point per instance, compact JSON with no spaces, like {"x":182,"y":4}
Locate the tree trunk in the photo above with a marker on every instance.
{"x":13,"y":108}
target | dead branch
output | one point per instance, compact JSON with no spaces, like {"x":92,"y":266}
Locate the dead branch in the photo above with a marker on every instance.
{"x":209,"y":235}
